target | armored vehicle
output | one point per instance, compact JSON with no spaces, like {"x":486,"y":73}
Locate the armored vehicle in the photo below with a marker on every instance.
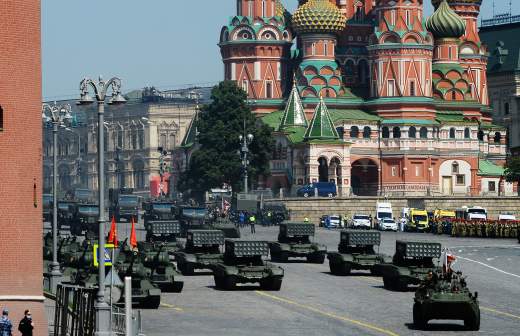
{"x":293,"y":241}
{"x":411,"y":264}
{"x":228,"y":227}
{"x":193,"y":218}
{"x":356,"y":252}
{"x":445,"y":296}
{"x":274,"y":213}
{"x":47,"y":204}
{"x":84,"y":218}
{"x":123,"y":204}
{"x":158,"y":210}
{"x":161,"y":271}
{"x":65,"y":212}
{"x":202,"y":251}
{"x":243,"y":263}
{"x":164,"y":232}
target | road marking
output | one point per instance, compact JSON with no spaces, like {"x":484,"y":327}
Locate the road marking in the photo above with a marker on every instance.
{"x":498,"y":312}
{"x":370,"y":279}
{"x":167,"y":305}
{"x":485,"y":246}
{"x":489,"y":266}
{"x":330,"y":315}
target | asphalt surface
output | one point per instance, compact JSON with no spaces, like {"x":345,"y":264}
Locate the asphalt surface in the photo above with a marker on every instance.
{"x":314,"y":302}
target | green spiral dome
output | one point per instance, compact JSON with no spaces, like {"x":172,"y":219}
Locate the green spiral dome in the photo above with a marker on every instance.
{"x":318,"y":16}
{"x":445,"y":23}
{"x":436,"y":3}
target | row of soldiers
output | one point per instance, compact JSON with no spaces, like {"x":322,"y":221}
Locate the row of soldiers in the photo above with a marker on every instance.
{"x":484,"y":229}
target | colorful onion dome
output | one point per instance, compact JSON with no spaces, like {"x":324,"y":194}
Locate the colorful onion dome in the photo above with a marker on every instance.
{"x":318,"y":16}
{"x":445,"y":23}
{"x":436,"y":3}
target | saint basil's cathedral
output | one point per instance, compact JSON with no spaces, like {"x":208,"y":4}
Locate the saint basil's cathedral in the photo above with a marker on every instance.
{"x":370,"y":94}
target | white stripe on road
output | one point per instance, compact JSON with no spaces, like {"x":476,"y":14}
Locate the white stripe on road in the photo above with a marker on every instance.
{"x":486,"y":246}
{"x":489,"y":266}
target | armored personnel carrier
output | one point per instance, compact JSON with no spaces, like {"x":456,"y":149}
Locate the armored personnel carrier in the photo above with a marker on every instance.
{"x":445,"y":296}
{"x":294,"y":241}
{"x":161,"y":271}
{"x":164,"y":232}
{"x":356,"y":252}
{"x":202,"y":251}
{"x":411,"y":264}
{"x":243,"y":263}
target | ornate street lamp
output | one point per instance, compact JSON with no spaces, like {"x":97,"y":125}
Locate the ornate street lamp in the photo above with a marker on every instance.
{"x":245,"y":140}
{"x":58,"y":115}
{"x":100,"y":90}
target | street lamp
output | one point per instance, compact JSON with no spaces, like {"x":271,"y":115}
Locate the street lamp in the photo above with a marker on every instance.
{"x":100,"y":89}
{"x":58,"y":115}
{"x":245,"y":140}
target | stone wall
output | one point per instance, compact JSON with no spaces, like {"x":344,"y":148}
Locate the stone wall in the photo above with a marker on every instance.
{"x":314,"y":208}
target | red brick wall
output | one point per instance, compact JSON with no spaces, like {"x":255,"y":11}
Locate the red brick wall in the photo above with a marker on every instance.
{"x":20,"y":159}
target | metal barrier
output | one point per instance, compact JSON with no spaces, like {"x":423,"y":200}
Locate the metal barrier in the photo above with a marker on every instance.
{"x":74,"y":311}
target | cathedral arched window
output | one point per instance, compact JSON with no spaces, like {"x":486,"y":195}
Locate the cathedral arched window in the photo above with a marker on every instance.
{"x":366,"y":132}
{"x":467,"y":133}
{"x":452,"y":133}
{"x":412,"y":132}
{"x":138,"y":168}
{"x":396,"y":132}
{"x":354,"y":132}
{"x":480,"y":135}
{"x":385,"y":132}
{"x":497,"y":137}
{"x":423,"y":133}
{"x":349,"y":68}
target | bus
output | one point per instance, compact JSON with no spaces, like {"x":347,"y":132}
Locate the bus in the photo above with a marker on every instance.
{"x":472,"y":213}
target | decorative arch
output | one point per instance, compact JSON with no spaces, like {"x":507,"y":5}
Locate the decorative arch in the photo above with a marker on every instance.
{"x":367,"y":132}
{"x":269,"y":30}
{"x":389,"y":37}
{"x":364,"y":177}
{"x":243,"y":33}
{"x":423,"y":133}
{"x":412,"y":132}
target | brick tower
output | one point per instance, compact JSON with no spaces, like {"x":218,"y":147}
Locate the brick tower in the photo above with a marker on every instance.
{"x":20,"y":163}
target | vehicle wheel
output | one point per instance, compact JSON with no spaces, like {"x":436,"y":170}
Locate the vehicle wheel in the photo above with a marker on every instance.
{"x":330,"y":195}
{"x":473,"y":323}
{"x":152,"y":302}
{"x":177,"y":286}
{"x":401,"y":285}
{"x":344,"y":269}
{"x":306,"y":195}
{"x":219,"y":283}
{"x":388,"y":283}
{"x":334,"y":268}
{"x":316,"y":259}
{"x":283,"y":257}
{"x":375,"y":272}
{"x":187,"y":269}
{"x":274,"y":283}
{"x":230,"y":283}
{"x":418,"y":318}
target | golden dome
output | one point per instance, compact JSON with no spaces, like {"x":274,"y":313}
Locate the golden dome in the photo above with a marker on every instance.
{"x":318,"y":16}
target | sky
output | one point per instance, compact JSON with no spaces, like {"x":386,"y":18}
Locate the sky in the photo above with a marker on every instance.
{"x":164,"y":43}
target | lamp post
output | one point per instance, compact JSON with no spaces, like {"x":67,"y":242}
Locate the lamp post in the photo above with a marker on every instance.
{"x":58,"y":115}
{"x":245,"y":140}
{"x":100,"y":89}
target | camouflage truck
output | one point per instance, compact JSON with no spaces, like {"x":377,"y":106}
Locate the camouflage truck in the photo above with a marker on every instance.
{"x":243,"y":263}
{"x":445,"y":296}
{"x":356,"y":252}
{"x":411,"y":264}
{"x":294,"y":242}
{"x":165,"y":232}
{"x":202,"y":251}
{"x":161,"y":272}
{"x":84,"y":218}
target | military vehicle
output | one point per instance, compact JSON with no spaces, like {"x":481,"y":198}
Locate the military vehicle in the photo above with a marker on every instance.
{"x":274,"y":213}
{"x":356,"y":252}
{"x":193,"y":218}
{"x":47,"y":204}
{"x":445,"y":296}
{"x":65,"y":212}
{"x":164,"y":232}
{"x":228,"y":227}
{"x":159,"y":210}
{"x":123,"y":204}
{"x":84,"y":218}
{"x":243,"y":263}
{"x":410,"y":265}
{"x":202,"y":251}
{"x":294,"y":242}
{"x":161,"y":271}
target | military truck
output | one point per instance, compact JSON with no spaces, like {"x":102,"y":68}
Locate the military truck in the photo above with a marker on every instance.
{"x":162,"y":272}
{"x":202,"y":251}
{"x":47,"y":204}
{"x":159,"y":210}
{"x":123,"y":204}
{"x":411,"y":264}
{"x":164,"y":232}
{"x":84,"y":218}
{"x":274,"y":214}
{"x":356,"y":252}
{"x":243,"y":263}
{"x":65,"y":212}
{"x":445,"y":296}
{"x":294,"y":242}
{"x":193,"y":218}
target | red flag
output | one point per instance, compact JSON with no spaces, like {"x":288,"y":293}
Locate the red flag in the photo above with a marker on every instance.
{"x":112,"y":235}
{"x":133,"y":237}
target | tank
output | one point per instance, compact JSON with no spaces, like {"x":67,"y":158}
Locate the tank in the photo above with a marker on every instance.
{"x":412,"y":262}
{"x":356,"y":252}
{"x":164,"y":232}
{"x":202,"y":251}
{"x":161,"y":270}
{"x":294,"y":242}
{"x":228,"y":227}
{"x":445,"y":296}
{"x":244,"y":263}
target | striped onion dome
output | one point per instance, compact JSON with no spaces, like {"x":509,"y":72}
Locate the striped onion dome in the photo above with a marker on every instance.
{"x":445,"y":23}
{"x":318,"y":16}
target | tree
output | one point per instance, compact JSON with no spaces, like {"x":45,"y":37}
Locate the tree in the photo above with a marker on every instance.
{"x":219,"y":124}
{"x":512,"y":172}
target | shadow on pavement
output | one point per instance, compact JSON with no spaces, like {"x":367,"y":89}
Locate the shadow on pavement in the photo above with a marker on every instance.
{"x":438,"y":327}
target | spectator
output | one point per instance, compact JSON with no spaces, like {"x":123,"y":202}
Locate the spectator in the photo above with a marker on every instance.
{"x":26,"y":325}
{"x":6,"y":326}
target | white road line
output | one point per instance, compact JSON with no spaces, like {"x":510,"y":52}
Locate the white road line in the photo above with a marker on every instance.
{"x":489,"y":266}
{"x":486,"y":246}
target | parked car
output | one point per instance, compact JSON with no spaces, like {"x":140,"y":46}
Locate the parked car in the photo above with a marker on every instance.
{"x":506,"y":217}
{"x":325,"y":189}
{"x":388,"y":224}
{"x":331,"y":221}
{"x":360,"y":221}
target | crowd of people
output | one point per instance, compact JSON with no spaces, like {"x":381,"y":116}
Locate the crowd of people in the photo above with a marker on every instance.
{"x":25,"y":326}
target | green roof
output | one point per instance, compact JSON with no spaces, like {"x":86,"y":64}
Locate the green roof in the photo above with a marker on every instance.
{"x":341,"y":115}
{"x":502,"y":43}
{"x":488,"y":168}
{"x":490,"y":126}
{"x":191,"y":134}
{"x":273,"y":119}
{"x":409,"y":122}
{"x":321,"y":126}
{"x":446,"y":117}
{"x":295,"y":134}
{"x":294,"y":114}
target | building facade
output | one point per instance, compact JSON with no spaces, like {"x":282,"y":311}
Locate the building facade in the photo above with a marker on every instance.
{"x":406,"y":95}
{"x":139,"y":135}
{"x":20,"y":166}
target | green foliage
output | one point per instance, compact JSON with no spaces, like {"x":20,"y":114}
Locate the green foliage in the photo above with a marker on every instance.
{"x":512,"y":172}
{"x":216,"y":161}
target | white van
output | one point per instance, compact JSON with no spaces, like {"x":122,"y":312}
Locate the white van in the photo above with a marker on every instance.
{"x":383,"y":210}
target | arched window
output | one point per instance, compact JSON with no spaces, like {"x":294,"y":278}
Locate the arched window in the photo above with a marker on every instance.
{"x":497,"y":137}
{"x":140,"y":138}
{"x":349,"y":68}
{"x":341,"y":131}
{"x":506,"y":110}
{"x":396,"y":131}
{"x":412,"y":132}
{"x":386,"y":132}
{"x":366,"y":132}
{"x":138,"y":174}
{"x":481,"y":135}
{"x":455,"y":168}
{"x":452,"y":133}
{"x":354,"y":132}
{"x":423,"y":133}
{"x":134,"y":138}
{"x":467,"y":133}
{"x":120,"y":142}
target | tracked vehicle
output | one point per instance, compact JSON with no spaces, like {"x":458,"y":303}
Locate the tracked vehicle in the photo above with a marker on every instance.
{"x":243,"y":263}
{"x":228,"y":227}
{"x":356,"y":252}
{"x":294,"y":241}
{"x":411,"y":264}
{"x":161,"y":271}
{"x":202,"y":251}
{"x":166,"y":233}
